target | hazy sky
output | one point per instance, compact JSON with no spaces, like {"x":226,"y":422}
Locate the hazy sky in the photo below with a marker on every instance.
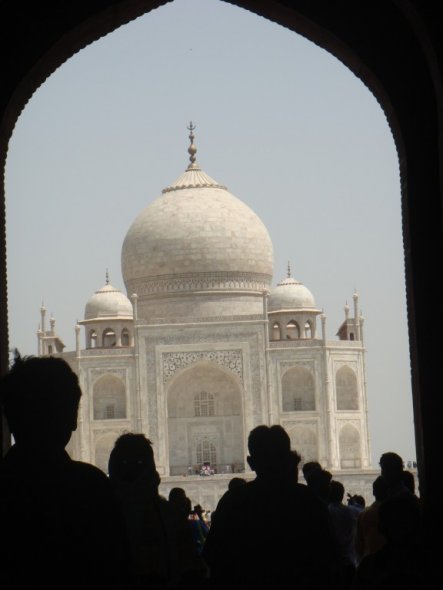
{"x":282,"y":123}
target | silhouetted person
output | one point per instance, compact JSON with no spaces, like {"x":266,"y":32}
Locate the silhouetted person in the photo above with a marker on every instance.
{"x":357,"y":502}
{"x":162,"y":552}
{"x":59,"y":521}
{"x":402,"y":561}
{"x":369,"y":538}
{"x":344,"y":521}
{"x":309,"y":467}
{"x":179,"y":500}
{"x":271,"y":532}
{"x":391,"y":466}
{"x":319,"y":480}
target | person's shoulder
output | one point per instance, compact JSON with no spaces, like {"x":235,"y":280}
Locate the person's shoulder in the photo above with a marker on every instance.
{"x":88,"y":473}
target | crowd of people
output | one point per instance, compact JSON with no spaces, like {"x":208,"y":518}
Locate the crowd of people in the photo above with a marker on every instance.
{"x":66,"y":524}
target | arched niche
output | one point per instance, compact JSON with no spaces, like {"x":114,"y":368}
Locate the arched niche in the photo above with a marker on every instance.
{"x":298,"y":390}
{"x":308,"y":329}
{"x":346,"y":389}
{"x":109,"y":398}
{"x":125,"y":337}
{"x":109,"y":338}
{"x":276,"y":331}
{"x":103,"y":448}
{"x":205,"y":414}
{"x":349,"y":447}
{"x":304,"y":441}
{"x":292,"y":330}
{"x":92,"y":339}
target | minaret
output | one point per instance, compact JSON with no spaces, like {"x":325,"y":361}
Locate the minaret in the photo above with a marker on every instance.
{"x":356,"y":316}
{"x":43,"y":315}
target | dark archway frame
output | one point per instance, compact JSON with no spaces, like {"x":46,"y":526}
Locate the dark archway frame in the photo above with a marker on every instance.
{"x":393,"y":46}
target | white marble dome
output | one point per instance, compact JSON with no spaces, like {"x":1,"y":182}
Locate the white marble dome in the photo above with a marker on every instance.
{"x":108,"y":302}
{"x":196,"y":229}
{"x":290,"y":295}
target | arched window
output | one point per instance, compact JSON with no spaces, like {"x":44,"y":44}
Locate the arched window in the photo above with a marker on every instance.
{"x":298,"y":390}
{"x":292,"y":330}
{"x":125,"y":337}
{"x":349,"y":446}
{"x":92,"y":339}
{"x":206,"y":452}
{"x":109,"y":396}
{"x":109,"y":338}
{"x":308,"y":330}
{"x":346,"y":388}
{"x":276,"y":332}
{"x":204,"y":404}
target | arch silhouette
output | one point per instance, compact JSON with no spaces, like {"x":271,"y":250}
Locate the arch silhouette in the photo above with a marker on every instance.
{"x":391,"y":46}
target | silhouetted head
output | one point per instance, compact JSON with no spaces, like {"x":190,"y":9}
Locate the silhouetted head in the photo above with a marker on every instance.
{"x":336,"y":491}
{"x":131,"y":458}
{"x":319,"y":482}
{"x":380,"y":488}
{"x":236,"y":482}
{"x":391,"y":466}
{"x":178,"y":498}
{"x":309,"y":467}
{"x":40,"y":397}
{"x":269,"y":450}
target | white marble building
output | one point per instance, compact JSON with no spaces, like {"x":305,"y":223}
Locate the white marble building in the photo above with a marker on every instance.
{"x":204,"y":349}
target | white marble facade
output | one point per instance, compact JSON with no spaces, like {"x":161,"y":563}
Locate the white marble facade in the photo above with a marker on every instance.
{"x":203,"y":349}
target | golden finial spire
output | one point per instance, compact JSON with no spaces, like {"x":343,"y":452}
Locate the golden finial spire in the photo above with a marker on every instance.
{"x":107,"y":276}
{"x":289,"y":269}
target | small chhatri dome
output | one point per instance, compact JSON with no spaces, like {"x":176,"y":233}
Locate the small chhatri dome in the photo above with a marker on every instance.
{"x":196,"y":228}
{"x":108,"y":303}
{"x":291,"y":295}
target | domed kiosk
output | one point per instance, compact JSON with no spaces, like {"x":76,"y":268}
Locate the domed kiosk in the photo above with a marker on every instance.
{"x":292,"y":310}
{"x":208,"y":350}
{"x":108,"y":318}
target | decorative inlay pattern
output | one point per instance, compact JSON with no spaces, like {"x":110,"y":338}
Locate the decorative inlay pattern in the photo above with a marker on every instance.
{"x":204,"y":282}
{"x":205,"y":320}
{"x":229,"y":359}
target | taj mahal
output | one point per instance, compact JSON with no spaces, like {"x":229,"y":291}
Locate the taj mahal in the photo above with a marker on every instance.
{"x":202,"y":349}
